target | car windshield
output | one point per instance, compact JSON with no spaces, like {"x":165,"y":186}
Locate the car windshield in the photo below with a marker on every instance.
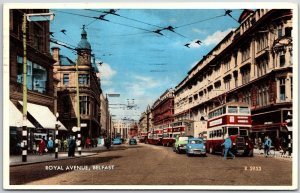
{"x":195,"y":141}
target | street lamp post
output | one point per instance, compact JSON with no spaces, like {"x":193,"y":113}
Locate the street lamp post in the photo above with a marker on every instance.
{"x":56,"y":136}
{"x":29,"y":17}
{"x":78,"y":111}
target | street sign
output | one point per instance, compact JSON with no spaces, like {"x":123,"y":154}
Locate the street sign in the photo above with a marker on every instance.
{"x":83,"y":125}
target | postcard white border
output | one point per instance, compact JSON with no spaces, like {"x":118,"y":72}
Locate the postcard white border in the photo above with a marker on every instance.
{"x":147,"y":5}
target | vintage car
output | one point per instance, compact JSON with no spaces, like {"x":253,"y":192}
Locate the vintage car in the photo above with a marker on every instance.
{"x":117,"y":141}
{"x":195,"y":146}
{"x":180,"y":144}
{"x":132,"y":141}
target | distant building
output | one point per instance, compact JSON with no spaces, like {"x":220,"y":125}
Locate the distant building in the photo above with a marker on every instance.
{"x":252,"y":64}
{"x":104,"y":115}
{"x":89,"y":89}
{"x":163,"y":109}
{"x":121,"y":129}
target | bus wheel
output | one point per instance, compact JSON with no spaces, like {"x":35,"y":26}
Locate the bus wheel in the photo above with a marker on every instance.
{"x":211,"y":150}
{"x":250,"y":154}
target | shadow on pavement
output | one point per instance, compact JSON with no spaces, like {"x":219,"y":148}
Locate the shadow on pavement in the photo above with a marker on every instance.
{"x":25,"y":174}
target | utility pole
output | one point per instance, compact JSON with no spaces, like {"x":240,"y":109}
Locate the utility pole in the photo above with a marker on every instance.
{"x":29,"y":17}
{"x":78,"y":110}
{"x":24,"y":144}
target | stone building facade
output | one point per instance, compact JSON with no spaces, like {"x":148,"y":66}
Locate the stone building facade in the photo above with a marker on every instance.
{"x":252,"y":64}
{"x":163,"y":109}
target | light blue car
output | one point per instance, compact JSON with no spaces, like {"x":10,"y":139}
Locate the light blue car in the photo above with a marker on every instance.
{"x":195,"y":146}
{"x":117,"y":141}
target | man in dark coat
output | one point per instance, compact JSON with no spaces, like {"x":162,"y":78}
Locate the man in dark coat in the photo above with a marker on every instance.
{"x":72,"y":146}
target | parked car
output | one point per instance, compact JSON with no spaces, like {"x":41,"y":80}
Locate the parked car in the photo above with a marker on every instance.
{"x":117,"y":141}
{"x":195,"y":146}
{"x":180,"y":144}
{"x":132,"y":141}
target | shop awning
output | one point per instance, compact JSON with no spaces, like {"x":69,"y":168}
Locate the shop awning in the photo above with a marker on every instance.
{"x":44,"y":116}
{"x":16,"y":117}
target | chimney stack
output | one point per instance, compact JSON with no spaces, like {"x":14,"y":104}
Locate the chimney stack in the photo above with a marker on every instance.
{"x":55,"y":54}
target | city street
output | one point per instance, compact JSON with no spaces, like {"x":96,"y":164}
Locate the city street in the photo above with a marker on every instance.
{"x":145,"y":164}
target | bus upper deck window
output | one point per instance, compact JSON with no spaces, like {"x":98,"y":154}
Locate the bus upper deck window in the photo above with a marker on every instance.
{"x":244,"y":110}
{"x":232,"y":109}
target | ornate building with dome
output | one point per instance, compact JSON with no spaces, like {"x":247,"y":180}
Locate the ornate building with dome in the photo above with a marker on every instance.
{"x":89,"y":89}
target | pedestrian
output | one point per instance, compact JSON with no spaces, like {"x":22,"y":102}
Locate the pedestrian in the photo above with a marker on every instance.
{"x":50,"y":145}
{"x":65,"y":144}
{"x":267,"y":145}
{"x":259,"y":143}
{"x":71,"y":146}
{"x":88,"y":142}
{"x":227,"y":145}
{"x":42,"y":146}
{"x":34,"y":148}
{"x":59,"y":144}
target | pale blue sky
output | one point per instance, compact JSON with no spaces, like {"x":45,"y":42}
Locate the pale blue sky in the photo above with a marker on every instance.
{"x":140,"y":64}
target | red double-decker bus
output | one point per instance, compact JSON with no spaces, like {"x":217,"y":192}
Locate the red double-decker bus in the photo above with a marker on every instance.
{"x":167,"y":139}
{"x":157,"y":137}
{"x":232,"y":119}
{"x":150,"y":136}
{"x":143,"y":137}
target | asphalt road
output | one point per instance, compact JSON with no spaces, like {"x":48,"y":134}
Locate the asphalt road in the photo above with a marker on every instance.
{"x":145,"y":164}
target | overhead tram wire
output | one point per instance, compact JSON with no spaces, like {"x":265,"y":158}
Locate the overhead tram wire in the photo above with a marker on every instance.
{"x":109,"y":21}
{"x":199,"y":21}
{"x":126,"y":18}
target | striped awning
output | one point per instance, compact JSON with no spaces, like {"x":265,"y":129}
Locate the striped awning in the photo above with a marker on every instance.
{"x":16,"y":117}
{"x":43,"y":116}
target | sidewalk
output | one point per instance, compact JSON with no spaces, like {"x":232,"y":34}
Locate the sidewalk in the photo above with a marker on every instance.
{"x":16,"y":160}
{"x":277,"y":154}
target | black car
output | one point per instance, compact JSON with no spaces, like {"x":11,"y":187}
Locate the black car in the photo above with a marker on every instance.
{"x":132,"y":142}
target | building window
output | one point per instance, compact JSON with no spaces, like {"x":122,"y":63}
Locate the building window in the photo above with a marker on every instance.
{"x":262,"y":67}
{"x":291,"y":80}
{"x":66,"y":79}
{"x":227,"y":83}
{"x":66,"y":104}
{"x":282,"y":89}
{"x":246,"y":53}
{"x":245,"y":75}
{"x":84,"y":105}
{"x":227,"y":65}
{"x":36,"y":75}
{"x":279,"y":32}
{"x":218,"y":71}
{"x":235,"y":59}
{"x":288,"y":32}
{"x":262,"y":42}
{"x":291,"y":57}
{"x":83,"y":79}
{"x":282,"y":59}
